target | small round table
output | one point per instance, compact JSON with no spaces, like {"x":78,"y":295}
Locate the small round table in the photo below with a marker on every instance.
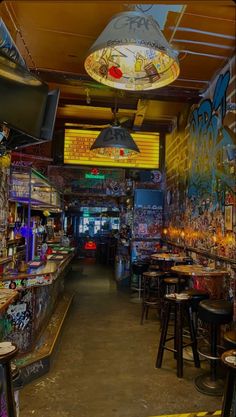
{"x":167,"y":260}
{"x":204,"y":278}
{"x":175,"y":257}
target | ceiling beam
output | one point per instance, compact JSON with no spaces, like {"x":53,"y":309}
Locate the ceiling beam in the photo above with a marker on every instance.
{"x":153,"y":126}
{"x":82,"y":82}
{"x":100,"y":102}
{"x":140,"y":113}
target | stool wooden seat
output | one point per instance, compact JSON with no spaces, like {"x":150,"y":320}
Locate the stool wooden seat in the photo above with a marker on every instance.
{"x":151,"y":293}
{"x":229,"y":397}
{"x":154,"y":267}
{"x":181,"y":307}
{"x":174,"y":282}
{"x":214,"y":313}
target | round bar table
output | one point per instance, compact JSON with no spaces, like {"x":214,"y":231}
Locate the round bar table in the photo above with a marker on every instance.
{"x":175,"y":257}
{"x":167,"y":260}
{"x":204,"y":278}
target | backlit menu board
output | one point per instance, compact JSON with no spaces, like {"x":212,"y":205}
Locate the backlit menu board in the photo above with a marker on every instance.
{"x":77,"y":144}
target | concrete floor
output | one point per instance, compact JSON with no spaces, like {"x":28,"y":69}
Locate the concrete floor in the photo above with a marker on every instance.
{"x":104,"y":364}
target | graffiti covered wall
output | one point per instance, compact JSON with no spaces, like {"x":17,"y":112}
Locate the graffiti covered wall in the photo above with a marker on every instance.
{"x":201,"y":172}
{"x":4,"y":174}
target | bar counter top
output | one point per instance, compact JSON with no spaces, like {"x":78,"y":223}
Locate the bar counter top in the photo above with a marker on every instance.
{"x":6,"y":298}
{"x":44,"y":274}
{"x":51,"y":267}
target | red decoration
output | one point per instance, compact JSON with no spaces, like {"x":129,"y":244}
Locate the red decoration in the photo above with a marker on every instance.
{"x":94,"y":171}
{"x":90,"y":245}
{"x":122,"y":152}
{"x":115,"y":72}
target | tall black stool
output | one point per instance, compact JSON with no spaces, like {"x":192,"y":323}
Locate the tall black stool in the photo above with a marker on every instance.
{"x":214,"y":313}
{"x":5,"y":360}
{"x":229,"y":397}
{"x":181,"y":307}
{"x":138,"y":268}
{"x":151,"y":298}
{"x":196,"y":297}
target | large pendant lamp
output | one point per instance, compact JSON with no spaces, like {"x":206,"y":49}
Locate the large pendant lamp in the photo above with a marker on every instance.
{"x":132,"y":54}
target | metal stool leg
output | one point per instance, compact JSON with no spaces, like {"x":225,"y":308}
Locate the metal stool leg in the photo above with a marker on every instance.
{"x":163,"y":335}
{"x":179,"y":339}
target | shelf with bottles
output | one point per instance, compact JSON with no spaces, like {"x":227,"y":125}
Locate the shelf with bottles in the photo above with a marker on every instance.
{"x":28,"y":186}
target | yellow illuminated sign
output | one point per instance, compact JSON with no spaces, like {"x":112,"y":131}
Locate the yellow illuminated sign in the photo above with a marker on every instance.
{"x":77,"y":146}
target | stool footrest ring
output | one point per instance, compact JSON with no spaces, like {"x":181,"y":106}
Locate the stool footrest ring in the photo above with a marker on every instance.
{"x":206,"y":354}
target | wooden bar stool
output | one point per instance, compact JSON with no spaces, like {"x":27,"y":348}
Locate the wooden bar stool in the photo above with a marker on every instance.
{"x":151,"y":293}
{"x":175,"y":283}
{"x":181,"y":307}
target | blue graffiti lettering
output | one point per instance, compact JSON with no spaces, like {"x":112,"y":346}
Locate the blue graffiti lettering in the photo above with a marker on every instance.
{"x":208,"y":137}
{"x":219,"y":98}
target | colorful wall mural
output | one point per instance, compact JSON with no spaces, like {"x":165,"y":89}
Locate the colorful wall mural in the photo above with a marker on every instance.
{"x":4,"y":174}
{"x":200,"y":202}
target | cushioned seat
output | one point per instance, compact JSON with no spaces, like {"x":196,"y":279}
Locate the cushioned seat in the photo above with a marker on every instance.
{"x":215,"y":311}
{"x":196,"y":297}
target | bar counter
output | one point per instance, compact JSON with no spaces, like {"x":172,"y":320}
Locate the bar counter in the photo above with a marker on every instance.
{"x":7,"y":297}
{"x":36,"y":293}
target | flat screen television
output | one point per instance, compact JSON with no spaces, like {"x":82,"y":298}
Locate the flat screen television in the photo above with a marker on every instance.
{"x":17,"y":139}
{"x":26,"y":105}
{"x":144,"y":198}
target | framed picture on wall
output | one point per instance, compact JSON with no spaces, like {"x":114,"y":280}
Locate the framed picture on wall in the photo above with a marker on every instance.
{"x":228,"y":217}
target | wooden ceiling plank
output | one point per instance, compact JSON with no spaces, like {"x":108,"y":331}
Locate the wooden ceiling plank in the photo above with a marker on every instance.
{"x":208,"y":26}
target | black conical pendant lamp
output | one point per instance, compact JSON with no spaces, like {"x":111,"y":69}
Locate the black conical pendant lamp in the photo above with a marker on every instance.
{"x":115,"y":142}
